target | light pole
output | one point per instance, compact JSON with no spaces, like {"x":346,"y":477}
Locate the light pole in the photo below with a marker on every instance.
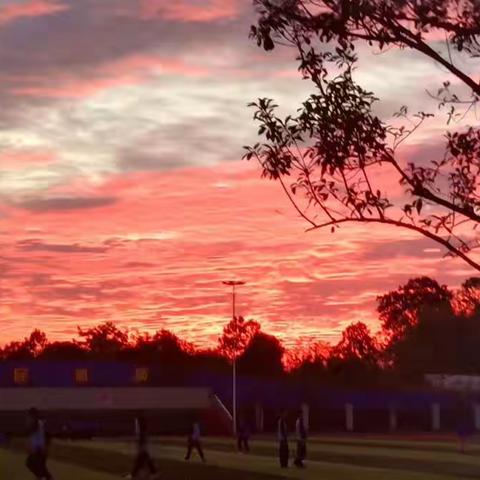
{"x":233,"y":284}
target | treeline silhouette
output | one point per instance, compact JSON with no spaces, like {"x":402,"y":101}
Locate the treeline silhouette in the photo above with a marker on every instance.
{"x":425,"y":327}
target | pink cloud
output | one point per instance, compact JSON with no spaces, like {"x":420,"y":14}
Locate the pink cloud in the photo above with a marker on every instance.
{"x":28,"y":9}
{"x":131,"y":70}
{"x":155,"y":258}
{"x":190,"y":10}
{"x":21,"y":159}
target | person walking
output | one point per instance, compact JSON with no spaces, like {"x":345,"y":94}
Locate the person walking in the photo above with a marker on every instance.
{"x":36,"y":460}
{"x":301,"y":434}
{"x":243,"y":435}
{"x":194,"y":441}
{"x":143,"y":460}
{"x":283,"y":451}
{"x":464,"y":422}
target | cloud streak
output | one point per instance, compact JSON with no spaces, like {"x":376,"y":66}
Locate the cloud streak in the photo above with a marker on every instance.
{"x":12,"y":12}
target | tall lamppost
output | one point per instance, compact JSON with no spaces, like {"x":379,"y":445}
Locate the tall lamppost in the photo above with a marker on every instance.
{"x":233,"y":284}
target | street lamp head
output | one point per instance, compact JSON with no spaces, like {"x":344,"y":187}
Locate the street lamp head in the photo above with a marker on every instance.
{"x":233,"y":283}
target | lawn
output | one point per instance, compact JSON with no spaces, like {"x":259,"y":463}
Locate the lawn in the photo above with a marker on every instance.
{"x":329,"y":458}
{"x":12,"y":468}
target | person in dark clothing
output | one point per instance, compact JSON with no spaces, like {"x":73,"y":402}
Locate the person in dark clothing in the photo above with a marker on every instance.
{"x":464,"y":423}
{"x":143,"y":460}
{"x":301,"y":434}
{"x":36,"y":460}
{"x":283,"y":451}
{"x":194,"y":441}
{"x":243,"y":436}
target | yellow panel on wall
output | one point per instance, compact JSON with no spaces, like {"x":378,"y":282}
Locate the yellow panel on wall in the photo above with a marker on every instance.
{"x":81,"y":375}
{"x":21,"y":376}
{"x":141,"y":375}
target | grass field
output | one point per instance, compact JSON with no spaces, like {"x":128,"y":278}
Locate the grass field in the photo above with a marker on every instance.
{"x":329,"y":458}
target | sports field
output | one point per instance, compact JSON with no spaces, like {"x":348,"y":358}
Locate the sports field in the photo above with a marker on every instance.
{"x":329,"y":458}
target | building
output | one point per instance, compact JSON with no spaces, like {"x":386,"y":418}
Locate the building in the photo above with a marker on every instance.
{"x":102,"y":398}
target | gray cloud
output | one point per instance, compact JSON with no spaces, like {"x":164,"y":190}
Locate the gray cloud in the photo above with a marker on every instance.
{"x":160,"y":121}
{"x":415,"y":248}
{"x":34,"y":245}
{"x":65,"y":203}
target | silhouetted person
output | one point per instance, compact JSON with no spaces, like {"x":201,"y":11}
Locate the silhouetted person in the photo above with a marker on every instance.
{"x":283,"y":451}
{"x":194,"y":441}
{"x":464,"y":428}
{"x":243,"y":435}
{"x":301,"y":434}
{"x":37,"y":457}
{"x":143,"y":460}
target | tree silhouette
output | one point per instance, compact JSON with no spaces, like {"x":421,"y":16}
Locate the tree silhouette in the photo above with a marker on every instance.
{"x":442,"y":341}
{"x":398,"y":310}
{"x":31,"y":347}
{"x":262,"y":356}
{"x":236,"y":336}
{"x":105,"y":340}
{"x":61,"y":351}
{"x":355,"y":359}
{"x":357,"y":343}
{"x":467,"y":298}
{"x":307,"y":357}
{"x":328,"y":156}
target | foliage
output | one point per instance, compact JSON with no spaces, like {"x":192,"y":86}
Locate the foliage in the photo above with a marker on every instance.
{"x":398,"y":310}
{"x":104,"y":340}
{"x":357,"y":344}
{"x":355,"y":359}
{"x":236,"y":335}
{"x":467,"y":299}
{"x":330,"y":155}
{"x":30,"y":347}
{"x":262,"y":357}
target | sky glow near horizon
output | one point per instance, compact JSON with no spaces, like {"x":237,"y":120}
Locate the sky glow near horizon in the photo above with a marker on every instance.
{"x":122,"y":192}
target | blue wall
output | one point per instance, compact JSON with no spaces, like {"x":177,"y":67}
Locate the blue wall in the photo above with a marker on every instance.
{"x":272,"y":394}
{"x":62,"y":374}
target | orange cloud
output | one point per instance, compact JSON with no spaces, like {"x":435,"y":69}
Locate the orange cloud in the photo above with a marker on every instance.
{"x":27,"y":9}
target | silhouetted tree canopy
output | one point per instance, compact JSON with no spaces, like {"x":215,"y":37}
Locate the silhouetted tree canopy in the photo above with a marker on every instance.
{"x":468,"y":297}
{"x":31,"y":346}
{"x":104,"y":340}
{"x":441,"y":342}
{"x":236,"y":336}
{"x":163,"y":346}
{"x":354,"y":360}
{"x":262,"y":357}
{"x":58,"y":351}
{"x":357,"y":344}
{"x":330,"y":155}
{"x":398,"y":310}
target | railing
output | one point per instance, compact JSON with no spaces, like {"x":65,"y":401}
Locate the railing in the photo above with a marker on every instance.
{"x":220,"y":405}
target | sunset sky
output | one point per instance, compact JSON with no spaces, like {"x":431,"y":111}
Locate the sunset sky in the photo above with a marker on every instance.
{"x":123,"y":196}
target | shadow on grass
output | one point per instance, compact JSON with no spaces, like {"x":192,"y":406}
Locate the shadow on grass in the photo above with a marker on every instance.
{"x":117,"y":463}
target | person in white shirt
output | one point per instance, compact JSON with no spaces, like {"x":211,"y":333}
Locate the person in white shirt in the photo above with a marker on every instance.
{"x":37,"y":452}
{"x":301,"y":434}
{"x":143,"y":459}
{"x":194,"y":441}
